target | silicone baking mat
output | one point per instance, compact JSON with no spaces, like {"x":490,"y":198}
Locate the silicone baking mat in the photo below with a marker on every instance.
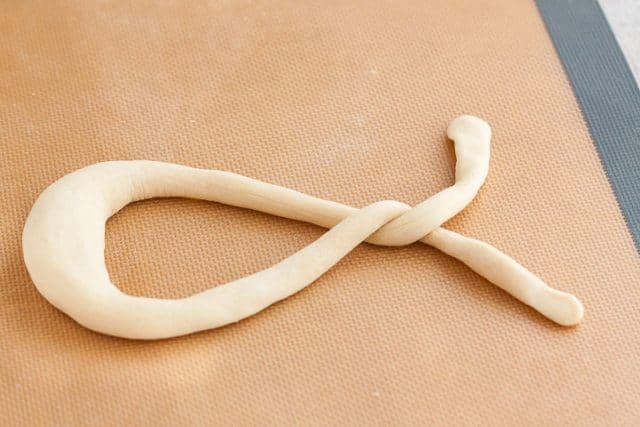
{"x":347,"y":101}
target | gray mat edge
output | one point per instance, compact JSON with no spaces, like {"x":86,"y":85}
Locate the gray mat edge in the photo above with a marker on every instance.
{"x":606,"y":91}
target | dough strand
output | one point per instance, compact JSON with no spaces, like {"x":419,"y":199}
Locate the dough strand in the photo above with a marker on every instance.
{"x":63,"y":241}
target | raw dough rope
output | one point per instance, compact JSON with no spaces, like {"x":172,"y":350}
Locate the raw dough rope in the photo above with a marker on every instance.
{"x":63,"y":241}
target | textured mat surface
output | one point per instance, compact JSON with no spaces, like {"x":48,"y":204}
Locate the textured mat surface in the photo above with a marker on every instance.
{"x":344,"y":100}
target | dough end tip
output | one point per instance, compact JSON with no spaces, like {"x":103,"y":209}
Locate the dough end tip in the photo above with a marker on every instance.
{"x":561,"y":307}
{"x":470,"y":126}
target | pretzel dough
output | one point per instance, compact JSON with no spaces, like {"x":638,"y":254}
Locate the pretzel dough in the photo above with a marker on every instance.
{"x":63,"y":241}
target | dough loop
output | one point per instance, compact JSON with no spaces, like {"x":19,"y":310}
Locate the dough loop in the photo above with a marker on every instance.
{"x":63,"y":241}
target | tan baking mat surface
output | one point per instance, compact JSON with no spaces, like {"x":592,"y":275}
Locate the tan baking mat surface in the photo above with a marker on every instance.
{"x":344,"y":100}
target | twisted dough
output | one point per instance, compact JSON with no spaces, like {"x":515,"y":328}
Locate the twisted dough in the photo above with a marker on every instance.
{"x":63,"y":241}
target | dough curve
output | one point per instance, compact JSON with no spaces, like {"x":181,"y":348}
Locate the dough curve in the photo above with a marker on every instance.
{"x":63,"y":241}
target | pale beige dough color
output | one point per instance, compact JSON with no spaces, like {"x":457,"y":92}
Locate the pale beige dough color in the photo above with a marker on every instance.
{"x":63,"y":241}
